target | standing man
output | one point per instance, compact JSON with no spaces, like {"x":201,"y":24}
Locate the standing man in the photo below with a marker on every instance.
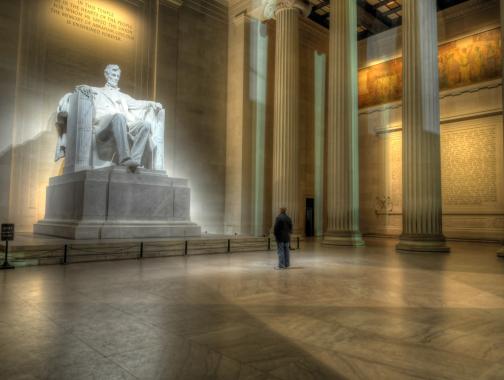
{"x":282,"y":231}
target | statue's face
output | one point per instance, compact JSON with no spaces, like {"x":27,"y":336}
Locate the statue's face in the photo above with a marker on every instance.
{"x":113,"y":77}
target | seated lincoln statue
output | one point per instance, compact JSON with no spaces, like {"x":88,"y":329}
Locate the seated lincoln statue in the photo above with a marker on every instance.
{"x":113,"y":184}
{"x":102,"y":126}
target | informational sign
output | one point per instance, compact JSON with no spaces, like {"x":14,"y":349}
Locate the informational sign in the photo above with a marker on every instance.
{"x":7,"y":232}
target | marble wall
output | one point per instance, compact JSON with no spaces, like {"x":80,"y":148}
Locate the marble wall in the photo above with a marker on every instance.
{"x":242,"y":146}
{"x":469,"y":110}
{"x":471,"y":130}
{"x":198,"y":142}
{"x":9,"y":16}
{"x":203,"y":60}
{"x":176,"y":55}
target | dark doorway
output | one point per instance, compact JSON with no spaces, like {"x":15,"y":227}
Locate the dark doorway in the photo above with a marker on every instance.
{"x":310,"y":217}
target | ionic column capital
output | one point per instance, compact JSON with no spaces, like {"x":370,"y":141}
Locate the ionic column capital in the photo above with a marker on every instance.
{"x":271,"y":7}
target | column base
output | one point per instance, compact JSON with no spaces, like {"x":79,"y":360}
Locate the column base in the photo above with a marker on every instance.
{"x":422,"y":244}
{"x":350,"y":239}
{"x":500,"y":252}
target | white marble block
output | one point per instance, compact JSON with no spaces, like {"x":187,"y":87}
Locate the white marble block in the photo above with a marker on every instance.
{"x":114,"y":203}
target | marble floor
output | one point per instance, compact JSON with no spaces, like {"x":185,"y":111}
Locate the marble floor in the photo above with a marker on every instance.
{"x":338,"y":313}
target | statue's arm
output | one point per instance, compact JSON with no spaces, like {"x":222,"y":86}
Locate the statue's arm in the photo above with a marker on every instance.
{"x":61,"y":125}
{"x":134,"y":104}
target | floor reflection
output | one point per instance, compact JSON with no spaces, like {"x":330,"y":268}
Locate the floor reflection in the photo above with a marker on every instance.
{"x":342,"y":313}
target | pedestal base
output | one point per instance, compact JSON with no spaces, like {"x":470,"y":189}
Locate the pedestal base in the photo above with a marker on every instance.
{"x":344,"y":240}
{"x":500,"y":252}
{"x":113,"y":203}
{"x":422,"y":245}
{"x":107,"y":230}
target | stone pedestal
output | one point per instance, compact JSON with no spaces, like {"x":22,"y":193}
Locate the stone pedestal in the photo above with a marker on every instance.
{"x":113,"y":203}
{"x":422,"y":227}
{"x":342,"y":134}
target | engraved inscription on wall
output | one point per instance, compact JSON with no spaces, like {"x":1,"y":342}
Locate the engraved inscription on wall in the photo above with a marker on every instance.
{"x":469,"y":165}
{"x":396,"y":169}
{"x":93,"y":17}
{"x":390,"y":165}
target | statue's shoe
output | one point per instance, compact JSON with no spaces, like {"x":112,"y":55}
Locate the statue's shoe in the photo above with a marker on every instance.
{"x":130,"y":164}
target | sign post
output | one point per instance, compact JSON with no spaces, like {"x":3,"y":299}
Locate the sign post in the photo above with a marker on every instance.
{"x":7,"y":234}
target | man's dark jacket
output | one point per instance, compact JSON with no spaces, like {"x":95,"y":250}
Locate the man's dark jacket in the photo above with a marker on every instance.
{"x":283,"y":228}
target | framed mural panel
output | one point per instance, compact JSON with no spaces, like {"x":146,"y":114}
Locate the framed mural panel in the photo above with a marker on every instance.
{"x":469,"y":60}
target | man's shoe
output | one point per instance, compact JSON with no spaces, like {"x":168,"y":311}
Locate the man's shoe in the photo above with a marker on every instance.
{"x":279,"y":268}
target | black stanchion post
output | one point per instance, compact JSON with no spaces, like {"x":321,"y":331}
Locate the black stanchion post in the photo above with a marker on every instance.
{"x":269,"y":244}
{"x":7,"y":233}
{"x":6,"y":264}
{"x":141,"y":249}
{"x":65,"y":255}
{"x":229,"y":246}
{"x":185,"y":248}
{"x":298,"y":242}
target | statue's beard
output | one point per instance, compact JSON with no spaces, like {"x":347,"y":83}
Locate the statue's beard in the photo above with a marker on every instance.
{"x":112,"y":83}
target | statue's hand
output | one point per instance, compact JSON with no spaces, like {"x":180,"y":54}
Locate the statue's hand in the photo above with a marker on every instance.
{"x":82,"y":87}
{"x":85,"y":90}
{"x":157,"y":106}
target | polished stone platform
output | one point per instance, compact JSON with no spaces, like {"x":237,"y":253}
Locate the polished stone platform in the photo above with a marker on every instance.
{"x":114,"y":203}
{"x":339,"y":313}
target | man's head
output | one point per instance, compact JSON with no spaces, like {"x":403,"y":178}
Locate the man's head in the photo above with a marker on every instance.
{"x":112,"y":74}
{"x":283,"y":210}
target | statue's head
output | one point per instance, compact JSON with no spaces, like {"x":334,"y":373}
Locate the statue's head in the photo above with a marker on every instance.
{"x":112,"y":74}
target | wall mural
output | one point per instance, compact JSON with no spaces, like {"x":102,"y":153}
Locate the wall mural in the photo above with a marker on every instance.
{"x":469,"y":60}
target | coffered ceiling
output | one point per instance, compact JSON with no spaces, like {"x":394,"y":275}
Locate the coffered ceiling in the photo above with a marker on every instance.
{"x":374,"y":16}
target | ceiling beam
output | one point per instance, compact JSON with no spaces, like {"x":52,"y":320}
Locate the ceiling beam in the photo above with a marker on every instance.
{"x":371,"y":23}
{"x":363,"y":4}
{"x":320,"y":5}
{"x":443,"y":4}
{"x":390,"y":11}
{"x":322,"y":20}
{"x":380,"y":3}
{"x":369,"y":17}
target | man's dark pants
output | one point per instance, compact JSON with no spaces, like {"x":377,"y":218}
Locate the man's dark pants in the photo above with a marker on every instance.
{"x":283,"y":254}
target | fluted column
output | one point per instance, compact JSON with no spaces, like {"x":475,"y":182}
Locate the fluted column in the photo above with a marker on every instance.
{"x":422,"y":225}
{"x":342,"y":144}
{"x":286,"y":119}
{"x":500,"y":252}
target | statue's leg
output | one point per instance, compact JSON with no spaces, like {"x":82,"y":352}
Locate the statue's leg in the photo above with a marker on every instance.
{"x":120,"y":133}
{"x":158,"y":137}
{"x":139,"y":142}
{"x":156,"y":122}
